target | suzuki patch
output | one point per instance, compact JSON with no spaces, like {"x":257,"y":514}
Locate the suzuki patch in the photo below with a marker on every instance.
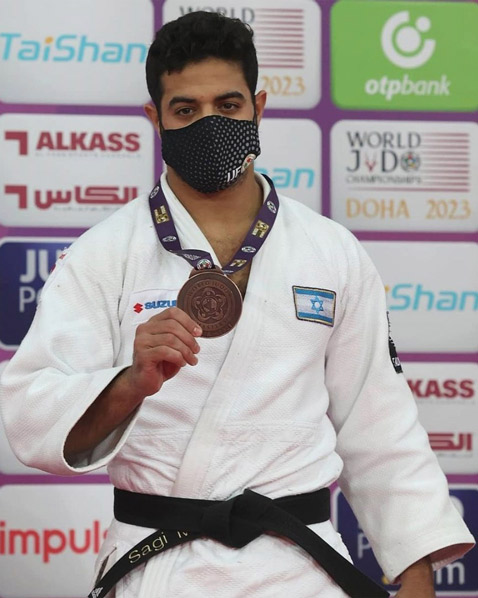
{"x":315,"y":305}
{"x":145,"y":304}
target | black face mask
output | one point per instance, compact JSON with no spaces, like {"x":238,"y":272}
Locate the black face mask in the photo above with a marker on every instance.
{"x":213,"y":152}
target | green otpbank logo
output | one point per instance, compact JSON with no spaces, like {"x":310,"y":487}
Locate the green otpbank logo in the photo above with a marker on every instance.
{"x":395,"y":55}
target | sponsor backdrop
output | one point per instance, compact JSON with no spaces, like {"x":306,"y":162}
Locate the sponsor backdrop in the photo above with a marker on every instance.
{"x":372,"y":120}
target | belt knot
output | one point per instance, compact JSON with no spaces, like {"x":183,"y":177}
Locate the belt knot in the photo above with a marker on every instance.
{"x":237,"y":521}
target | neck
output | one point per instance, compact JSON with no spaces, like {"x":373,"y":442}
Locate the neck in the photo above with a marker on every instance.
{"x":228,"y":209}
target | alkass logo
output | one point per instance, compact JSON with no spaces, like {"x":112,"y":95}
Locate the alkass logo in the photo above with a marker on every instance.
{"x":450,"y":443}
{"x":48,"y":543}
{"x":74,"y":141}
{"x":442,"y":389}
{"x":93,"y":195}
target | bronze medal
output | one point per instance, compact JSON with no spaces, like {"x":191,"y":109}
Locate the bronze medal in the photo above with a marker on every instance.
{"x":212,"y":300}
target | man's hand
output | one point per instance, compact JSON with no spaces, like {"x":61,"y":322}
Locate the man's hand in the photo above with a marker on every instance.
{"x":162,"y":346}
{"x":417,"y":581}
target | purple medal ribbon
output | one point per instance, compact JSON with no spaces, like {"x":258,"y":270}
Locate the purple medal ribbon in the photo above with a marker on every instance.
{"x":201,"y":260}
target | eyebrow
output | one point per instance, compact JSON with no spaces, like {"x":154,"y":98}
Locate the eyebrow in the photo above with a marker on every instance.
{"x":180,"y":100}
{"x":225,"y":96}
{"x":231,"y":94}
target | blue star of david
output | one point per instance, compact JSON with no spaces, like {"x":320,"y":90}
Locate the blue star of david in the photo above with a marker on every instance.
{"x":317,"y":305}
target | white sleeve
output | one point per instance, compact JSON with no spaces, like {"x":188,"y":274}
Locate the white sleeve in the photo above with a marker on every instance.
{"x":65,"y":361}
{"x":391,"y":477}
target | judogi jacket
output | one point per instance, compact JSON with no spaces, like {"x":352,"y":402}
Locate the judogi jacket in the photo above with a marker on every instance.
{"x":303,"y":392}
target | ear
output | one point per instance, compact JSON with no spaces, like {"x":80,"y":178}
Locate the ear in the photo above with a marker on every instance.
{"x":152,"y":114}
{"x":260,"y":102}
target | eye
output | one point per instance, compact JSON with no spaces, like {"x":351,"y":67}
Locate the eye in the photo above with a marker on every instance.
{"x":229,"y":106}
{"x":186,"y":111}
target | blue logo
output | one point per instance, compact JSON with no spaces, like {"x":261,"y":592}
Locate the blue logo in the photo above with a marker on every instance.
{"x":418,"y":298}
{"x":160,"y":304}
{"x":314,"y":305}
{"x":299,"y":178}
{"x":460,"y":576}
{"x":24,"y":269}
{"x":69,"y":48}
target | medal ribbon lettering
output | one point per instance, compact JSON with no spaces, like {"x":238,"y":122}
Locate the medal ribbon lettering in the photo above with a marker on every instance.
{"x":201,"y":260}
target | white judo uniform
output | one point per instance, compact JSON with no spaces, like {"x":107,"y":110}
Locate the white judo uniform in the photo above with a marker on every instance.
{"x":280,"y":405}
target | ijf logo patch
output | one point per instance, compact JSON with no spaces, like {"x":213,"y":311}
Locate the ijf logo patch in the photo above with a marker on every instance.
{"x":315,"y":305}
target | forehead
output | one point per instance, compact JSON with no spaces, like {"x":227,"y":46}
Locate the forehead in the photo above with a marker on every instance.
{"x":210,"y":77}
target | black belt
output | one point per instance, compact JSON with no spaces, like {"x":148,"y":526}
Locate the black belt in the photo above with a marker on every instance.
{"x":235,"y":523}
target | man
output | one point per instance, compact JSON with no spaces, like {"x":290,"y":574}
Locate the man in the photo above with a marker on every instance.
{"x":302,"y":392}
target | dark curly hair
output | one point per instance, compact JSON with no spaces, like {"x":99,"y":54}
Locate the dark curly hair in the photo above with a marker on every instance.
{"x":195,"y":37}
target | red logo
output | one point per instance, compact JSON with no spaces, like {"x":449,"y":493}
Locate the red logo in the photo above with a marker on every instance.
{"x":442,"y":389}
{"x":93,"y":195}
{"x":49,"y":542}
{"x":75,"y":141}
{"x":451,"y":442}
{"x":138,"y":308}
{"x":21,"y":137}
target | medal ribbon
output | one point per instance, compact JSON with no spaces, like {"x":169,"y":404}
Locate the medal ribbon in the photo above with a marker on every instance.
{"x":199,"y":259}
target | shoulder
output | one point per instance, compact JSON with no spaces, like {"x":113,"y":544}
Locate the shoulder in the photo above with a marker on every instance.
{"x":104,"y":249}
{"x":115,"y":232}
{"x":299,"y":216}
{"x":322,"y":236}
{"x":125,"y":220}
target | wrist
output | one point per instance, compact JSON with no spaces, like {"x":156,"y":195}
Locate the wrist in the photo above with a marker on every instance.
{"x":419,"y":574}
{"x":128,"y":389}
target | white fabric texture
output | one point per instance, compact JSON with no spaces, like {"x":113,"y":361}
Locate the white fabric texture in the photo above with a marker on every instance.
{"x":279,"y":405}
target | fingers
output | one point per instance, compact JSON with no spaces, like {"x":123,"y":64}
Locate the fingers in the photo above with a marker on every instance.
{"x":165,"y":353}
{"x":174,"y":313}
{"x":160,"y":345}
{"x":169,"y":337}
{"x":176,"y":332}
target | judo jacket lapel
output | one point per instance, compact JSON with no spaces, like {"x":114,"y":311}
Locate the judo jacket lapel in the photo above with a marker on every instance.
{"x":192,"y":477}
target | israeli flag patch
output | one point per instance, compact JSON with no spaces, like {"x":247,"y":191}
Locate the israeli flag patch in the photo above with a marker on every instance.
{"x":315,"y":305}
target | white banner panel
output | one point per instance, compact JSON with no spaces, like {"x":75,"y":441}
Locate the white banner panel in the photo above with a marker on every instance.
{"x":447,"y":399}
{"x":50,"y":537}
{"x":69,"y":52}
{"x":405,"y":175}
{"x":71,"y":170}
{"x":295,"y":173}
{"x":287,"y":37}
{"x":432,"y":294}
